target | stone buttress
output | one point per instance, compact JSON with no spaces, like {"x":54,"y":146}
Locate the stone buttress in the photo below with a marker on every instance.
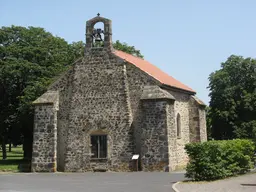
{"x":154,"y":136}
{"x":197,"y":120}
{"x":44,"y":153}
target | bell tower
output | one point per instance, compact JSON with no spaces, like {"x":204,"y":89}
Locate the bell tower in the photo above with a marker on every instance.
{"x":96,"y":37}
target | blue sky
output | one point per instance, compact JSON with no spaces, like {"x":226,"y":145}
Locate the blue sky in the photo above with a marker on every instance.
{"x":187,"y":39}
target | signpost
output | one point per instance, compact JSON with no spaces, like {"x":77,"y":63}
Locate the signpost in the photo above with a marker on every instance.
{"x":136,"y":159}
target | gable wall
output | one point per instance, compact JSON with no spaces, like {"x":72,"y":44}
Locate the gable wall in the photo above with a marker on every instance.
{"x":99,"y":102}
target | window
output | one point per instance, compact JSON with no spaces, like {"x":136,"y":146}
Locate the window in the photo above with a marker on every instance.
{"x":99,"y":146}
{"x":178,"y":126}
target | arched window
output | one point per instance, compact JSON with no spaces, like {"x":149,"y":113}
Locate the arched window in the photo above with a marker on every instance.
{"x":178,"y":126}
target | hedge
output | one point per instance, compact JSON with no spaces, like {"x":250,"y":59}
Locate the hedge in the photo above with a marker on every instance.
{"x":219,"y":159}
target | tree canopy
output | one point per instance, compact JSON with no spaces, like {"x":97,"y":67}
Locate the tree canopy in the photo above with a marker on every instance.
{"x":232,"y":109}
{"x":126,"y":48}
{"x":30,"y":58}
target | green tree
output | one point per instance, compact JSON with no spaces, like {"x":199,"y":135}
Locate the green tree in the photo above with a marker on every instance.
{"x":29,"y":59}
{"x":126,"y":48}
{"x":208,"y":123}
{"x":233,"y":99}
{"x":77,"y":48}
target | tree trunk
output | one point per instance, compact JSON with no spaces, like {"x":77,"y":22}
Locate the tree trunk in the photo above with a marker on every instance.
{"x":27,"y":148}
{"x":10,"y":146}
{"x":3,"y":148}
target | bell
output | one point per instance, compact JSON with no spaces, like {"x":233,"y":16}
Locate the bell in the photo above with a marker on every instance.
{"x":97,"y":37}
{"x":97,"y":34}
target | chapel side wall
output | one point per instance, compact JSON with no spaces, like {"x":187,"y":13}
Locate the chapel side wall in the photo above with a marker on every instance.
{"x":181,"y":106}
{"x":63,"y":86}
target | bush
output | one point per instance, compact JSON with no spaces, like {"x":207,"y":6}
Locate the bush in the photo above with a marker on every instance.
{"x":219,"y":159}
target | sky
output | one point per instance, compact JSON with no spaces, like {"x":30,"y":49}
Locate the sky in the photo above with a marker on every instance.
{"x":188,"y":39}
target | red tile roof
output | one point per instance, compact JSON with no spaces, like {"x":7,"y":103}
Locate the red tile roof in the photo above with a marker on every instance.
{"x":153,"y":71}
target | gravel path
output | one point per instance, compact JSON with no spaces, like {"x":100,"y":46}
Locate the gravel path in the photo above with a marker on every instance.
{"x":245,"y":183}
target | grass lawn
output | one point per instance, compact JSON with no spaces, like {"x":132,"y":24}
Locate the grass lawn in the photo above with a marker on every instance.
{"x":14,"y":158}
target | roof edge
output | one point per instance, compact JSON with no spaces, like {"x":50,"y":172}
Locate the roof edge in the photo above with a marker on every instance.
{"x":48,"y":98}
{"x":178,"y":89}
{"x":199,"y":101}
{"x":154,"y":92}
{"x":58,"y":78}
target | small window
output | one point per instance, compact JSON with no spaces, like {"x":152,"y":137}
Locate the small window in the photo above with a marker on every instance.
{"x":99,"y":146}
{"x":178,"y":126}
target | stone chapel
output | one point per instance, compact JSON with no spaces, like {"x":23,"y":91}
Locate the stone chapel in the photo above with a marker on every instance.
{"x":111,"y":105}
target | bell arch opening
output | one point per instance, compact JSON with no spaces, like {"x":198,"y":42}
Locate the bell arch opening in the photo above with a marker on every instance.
{"x":98,"y":38}
{"x":99,"y":33}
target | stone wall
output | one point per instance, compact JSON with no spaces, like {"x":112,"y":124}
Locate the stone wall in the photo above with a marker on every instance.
{"x":45,"y":138}
{"x":154,"y":142}
{"x":99,"y":102}
{"x":181,"y":106}
{"x":202,"y":123}
{"x":137,"y":80}
{"x":172,"y":136}
{"x":102,"y":93}
{"x":194,"y":121}
{"x":197,"y":120}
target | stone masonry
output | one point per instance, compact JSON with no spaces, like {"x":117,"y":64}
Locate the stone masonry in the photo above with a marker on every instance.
{"x":108,"y":96}
{"x":154,"y":128}
{"x":45,"y":133}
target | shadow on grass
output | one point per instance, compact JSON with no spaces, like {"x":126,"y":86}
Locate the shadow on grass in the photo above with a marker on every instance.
{"x":17,"y":152}
{"x":11,"y":161}
{"x":14,"y":161}
{"x":14,"y":156}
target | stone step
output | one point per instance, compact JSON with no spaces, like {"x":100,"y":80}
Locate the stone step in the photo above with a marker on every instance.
{"x":100,"y":167}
